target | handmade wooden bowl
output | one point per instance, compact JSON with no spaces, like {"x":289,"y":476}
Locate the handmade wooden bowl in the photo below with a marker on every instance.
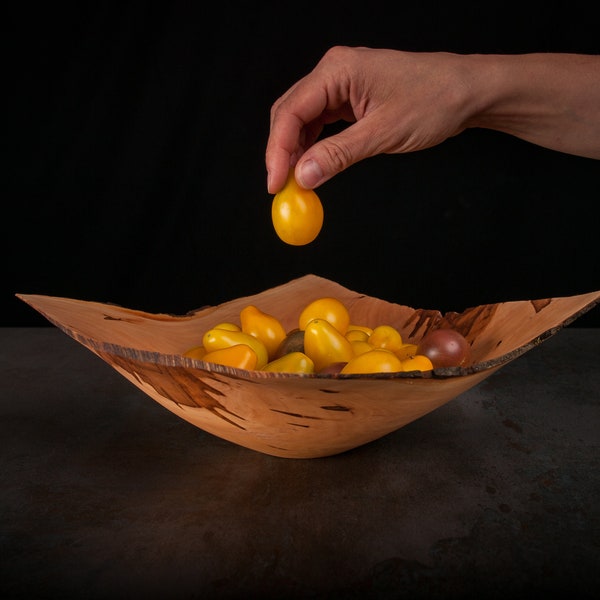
{"x":294,"y":415}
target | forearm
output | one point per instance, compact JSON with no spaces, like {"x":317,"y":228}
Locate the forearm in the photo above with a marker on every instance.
{"x":552,"y":100}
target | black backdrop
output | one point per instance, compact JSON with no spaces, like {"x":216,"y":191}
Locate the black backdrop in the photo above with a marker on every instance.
{"x":135,"y":175}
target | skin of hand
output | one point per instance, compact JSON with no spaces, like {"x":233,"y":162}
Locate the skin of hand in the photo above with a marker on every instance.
{"x":398,"y":102}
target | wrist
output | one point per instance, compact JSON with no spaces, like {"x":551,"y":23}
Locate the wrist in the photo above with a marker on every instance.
{"x":549,"y":99}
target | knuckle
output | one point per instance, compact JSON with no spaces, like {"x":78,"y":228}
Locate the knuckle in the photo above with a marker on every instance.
{"x":338,"y":155}
{"x":337,"y":52}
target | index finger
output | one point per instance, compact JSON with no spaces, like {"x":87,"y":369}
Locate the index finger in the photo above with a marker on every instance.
{"x":290,"y":114}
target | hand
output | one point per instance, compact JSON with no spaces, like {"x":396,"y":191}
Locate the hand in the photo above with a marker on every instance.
{"x":402,"y":102}
{"x":397,"y":102}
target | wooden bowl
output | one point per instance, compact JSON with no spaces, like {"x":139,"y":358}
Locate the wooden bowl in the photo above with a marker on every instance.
{"x":293,"y":415}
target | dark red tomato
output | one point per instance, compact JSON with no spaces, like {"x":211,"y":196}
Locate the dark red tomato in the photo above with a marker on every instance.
{"x":445,"y":348}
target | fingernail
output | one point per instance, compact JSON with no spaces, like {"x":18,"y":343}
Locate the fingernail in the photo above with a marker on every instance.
{"x":310,"y":174}
{"x":268,"y":181}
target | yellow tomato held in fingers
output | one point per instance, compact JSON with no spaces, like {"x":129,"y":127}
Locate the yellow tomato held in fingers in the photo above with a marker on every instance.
{"x":297,"y":213}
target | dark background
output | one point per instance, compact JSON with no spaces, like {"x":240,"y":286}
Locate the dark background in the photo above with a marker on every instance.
{"x":135,"y":170}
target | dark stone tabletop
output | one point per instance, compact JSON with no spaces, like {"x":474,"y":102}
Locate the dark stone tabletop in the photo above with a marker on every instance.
{"x":106,"y":494}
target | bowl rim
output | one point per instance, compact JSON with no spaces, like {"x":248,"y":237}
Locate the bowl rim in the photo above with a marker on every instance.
{"x":179,"y":360}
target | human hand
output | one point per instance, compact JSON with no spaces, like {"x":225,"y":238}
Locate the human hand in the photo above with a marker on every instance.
{"x":395,"y":101}
{"x":404,"y":101}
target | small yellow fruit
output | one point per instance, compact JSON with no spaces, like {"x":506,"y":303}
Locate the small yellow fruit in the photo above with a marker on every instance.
{"x":377,"y":360}
{"x":297,"y":213}
{"x":386,"y":336}
{"x":239,"y":356}
{"x":293,"y":362}
{"x":419,"y":362}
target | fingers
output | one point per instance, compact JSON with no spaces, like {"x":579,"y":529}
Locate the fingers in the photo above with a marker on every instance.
{"x":334,"y":154}
{"x":281,"y":151}
{"x":293,"y":118}
{"x":291,"y":144}
{"x":335,"y":90}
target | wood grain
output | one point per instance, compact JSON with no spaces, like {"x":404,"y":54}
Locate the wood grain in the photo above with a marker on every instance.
{"x":302,"y":416}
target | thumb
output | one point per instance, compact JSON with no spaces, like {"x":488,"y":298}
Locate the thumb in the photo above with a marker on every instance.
{"x":332,"y":155}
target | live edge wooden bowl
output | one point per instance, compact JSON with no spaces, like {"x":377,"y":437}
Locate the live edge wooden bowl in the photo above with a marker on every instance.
{"x":302,"y":416}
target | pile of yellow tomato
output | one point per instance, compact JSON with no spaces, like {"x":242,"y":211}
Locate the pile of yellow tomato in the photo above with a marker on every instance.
{"x":325,"y":341}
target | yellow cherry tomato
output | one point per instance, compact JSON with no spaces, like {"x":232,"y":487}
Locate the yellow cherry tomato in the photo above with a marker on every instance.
{"x":419,"y":362}
{"x":217,"y":339}
{"x":227,"y":325}
{"x":293,"y":362}
{"x":360,"y":346}
{"x":377,"y":360}
{"x":263,"y":326}
{"x":297,"y":213}
{"x":364,"y":328}
{"x":406,"y":351}
{"x":324,"y":344}
{"x":331,"y":310}
{"x":196,"y":352}
{"x":356,"y":335}
{"x":386,"y":336}
{"x":239,"y":356}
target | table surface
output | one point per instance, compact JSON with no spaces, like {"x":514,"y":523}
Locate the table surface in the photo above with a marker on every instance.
{"x":107,"y":494}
